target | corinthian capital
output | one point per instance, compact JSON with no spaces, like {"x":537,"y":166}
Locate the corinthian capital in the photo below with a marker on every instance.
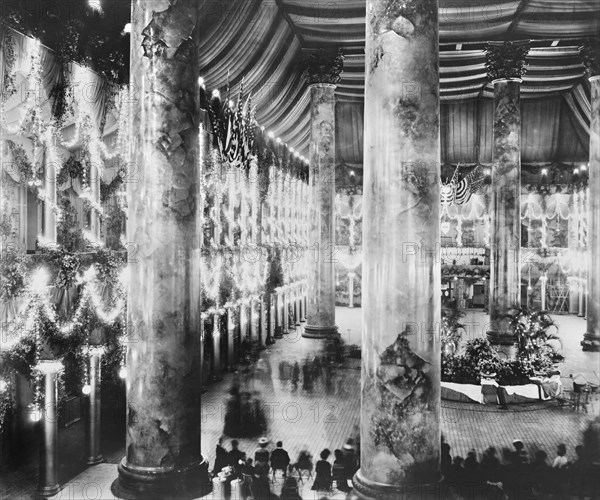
{"x":324,"y":66}
{"x":506,"y":59}
{"x":590,"y":56}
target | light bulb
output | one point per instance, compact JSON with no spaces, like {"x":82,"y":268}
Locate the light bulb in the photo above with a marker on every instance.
{"x":86,"y":389}
{"x":544,"y":171}
{"x":36,"y":415}
{"x":123,"y":372}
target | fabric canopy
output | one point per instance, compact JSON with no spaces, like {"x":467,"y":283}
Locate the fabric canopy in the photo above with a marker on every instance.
{"x":262,"y":41}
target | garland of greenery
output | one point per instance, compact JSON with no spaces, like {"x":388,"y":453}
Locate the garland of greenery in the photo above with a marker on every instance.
{"x":109,"y":189}
{"x":8,"y":49}
{"x":23,"y":166}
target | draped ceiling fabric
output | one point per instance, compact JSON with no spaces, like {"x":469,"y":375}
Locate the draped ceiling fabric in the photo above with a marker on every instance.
{"x":262,"y":41}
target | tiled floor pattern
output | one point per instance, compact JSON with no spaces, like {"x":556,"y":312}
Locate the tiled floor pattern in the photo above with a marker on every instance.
{"x":320,"y":418}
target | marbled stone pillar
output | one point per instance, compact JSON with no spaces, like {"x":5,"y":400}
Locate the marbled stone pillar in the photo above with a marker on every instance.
{"x":163,"y":384}
{"x":400,"y":405}
{"x":50,"y":189}
{"x":264,"y":309}
{"x":93,"y":422}
{"x":543,"y":281}
{"x":581,"y":298}
{"x":254,"y":321}
{"x":285,"y":317}
{"x":48,"y":473}
{"x":230,"y":340}
{"x":505,"y":259}
{"x":591,"y":339}
{"x":351,"y":276}
{"x":321,"y":279}
{"x":272,"y":316}
{"x":216,"y":343}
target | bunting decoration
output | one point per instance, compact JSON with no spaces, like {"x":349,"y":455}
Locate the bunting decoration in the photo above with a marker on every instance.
{"x":233,"y":127}
{"x":460,"y":192}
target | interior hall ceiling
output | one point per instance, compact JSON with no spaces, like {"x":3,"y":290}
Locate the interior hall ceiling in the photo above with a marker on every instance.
{"x":263,"y":41}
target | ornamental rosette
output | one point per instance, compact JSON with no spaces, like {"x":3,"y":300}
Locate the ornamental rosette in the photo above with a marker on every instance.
{"x":506,"y":60}
{"x":590,"y":56}
{"x":324,"y":66}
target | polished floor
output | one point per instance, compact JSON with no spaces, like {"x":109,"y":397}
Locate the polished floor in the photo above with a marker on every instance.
{"x":324,"y":413}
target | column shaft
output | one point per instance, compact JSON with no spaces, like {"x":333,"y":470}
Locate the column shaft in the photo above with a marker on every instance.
{"x":163,"y":387}
{"x":591,"y":339}
{"x":94,"y":411}
{"x":321,"y":279}
{"x":400,"y":433}
{"x":48,"y":479}
{"x":505,"y":270}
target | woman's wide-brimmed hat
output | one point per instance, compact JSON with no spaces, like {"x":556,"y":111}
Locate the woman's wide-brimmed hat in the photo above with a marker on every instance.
{"x":263,"y":441}
{"x":349,"y":445}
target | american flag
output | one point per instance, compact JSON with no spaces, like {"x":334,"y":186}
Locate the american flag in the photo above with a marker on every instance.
{"x":460,"y":192}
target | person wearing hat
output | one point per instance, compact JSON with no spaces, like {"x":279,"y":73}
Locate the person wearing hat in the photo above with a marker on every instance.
{"x":519,"y":456}
{"x":261,"y":454}
{"x":350,"y":458}
{"x":222,"y":459}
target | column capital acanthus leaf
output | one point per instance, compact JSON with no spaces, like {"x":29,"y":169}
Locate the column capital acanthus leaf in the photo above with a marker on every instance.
{"x":590,"y":56}
{"x":324,"y":66}
{"x":506,"y":59}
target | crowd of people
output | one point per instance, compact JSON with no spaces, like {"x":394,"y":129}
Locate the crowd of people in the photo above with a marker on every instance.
{"x":517,"y":475}
{"x":266,"y":466}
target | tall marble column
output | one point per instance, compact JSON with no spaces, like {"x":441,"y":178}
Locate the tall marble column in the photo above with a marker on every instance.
{"x":591,"y":338}
{"x":48,"y":472}
{"x":505,"y":258}
{"x":163,"y":387}
{"x":543,"y":281}
{"x":49,"y":216}
{"x":400,"y":405}
{"x":323,"y":70}
{"x":216,"y":343}
{"x":231,"y":365}
{"x":94,"y":415}
{"x":351,"y":276}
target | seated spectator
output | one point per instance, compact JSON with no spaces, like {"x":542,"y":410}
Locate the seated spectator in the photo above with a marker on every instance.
{"x":457,"y":471}
{"x":221,"y":459}
{"x":235,"y":455}
{"x":290,"y":486}
{"x":490,"y":465}
{"x":304,"y":462}
{"x":248,"y":468}
{"x":561,"y":457}
{"x":261,"y":454}
{"x":280,"y":459}
{"x":323,"y":469}
{"x":350,"y":460}
{"x":579,"y":474}
{"x":339,"y":472}
{"x":519,"y":456}
{"x":539,"y":474}
{"x":471,"y":464}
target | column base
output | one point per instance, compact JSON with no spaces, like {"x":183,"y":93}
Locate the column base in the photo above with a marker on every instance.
{"x":590,"y":342}
{"x":504,"y":343}
{"x":320,"y":332}
{"x":95,"y":460}
{"x":137,"y":483}
{"x":49,"y":490}
{"x":364,"y":489}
